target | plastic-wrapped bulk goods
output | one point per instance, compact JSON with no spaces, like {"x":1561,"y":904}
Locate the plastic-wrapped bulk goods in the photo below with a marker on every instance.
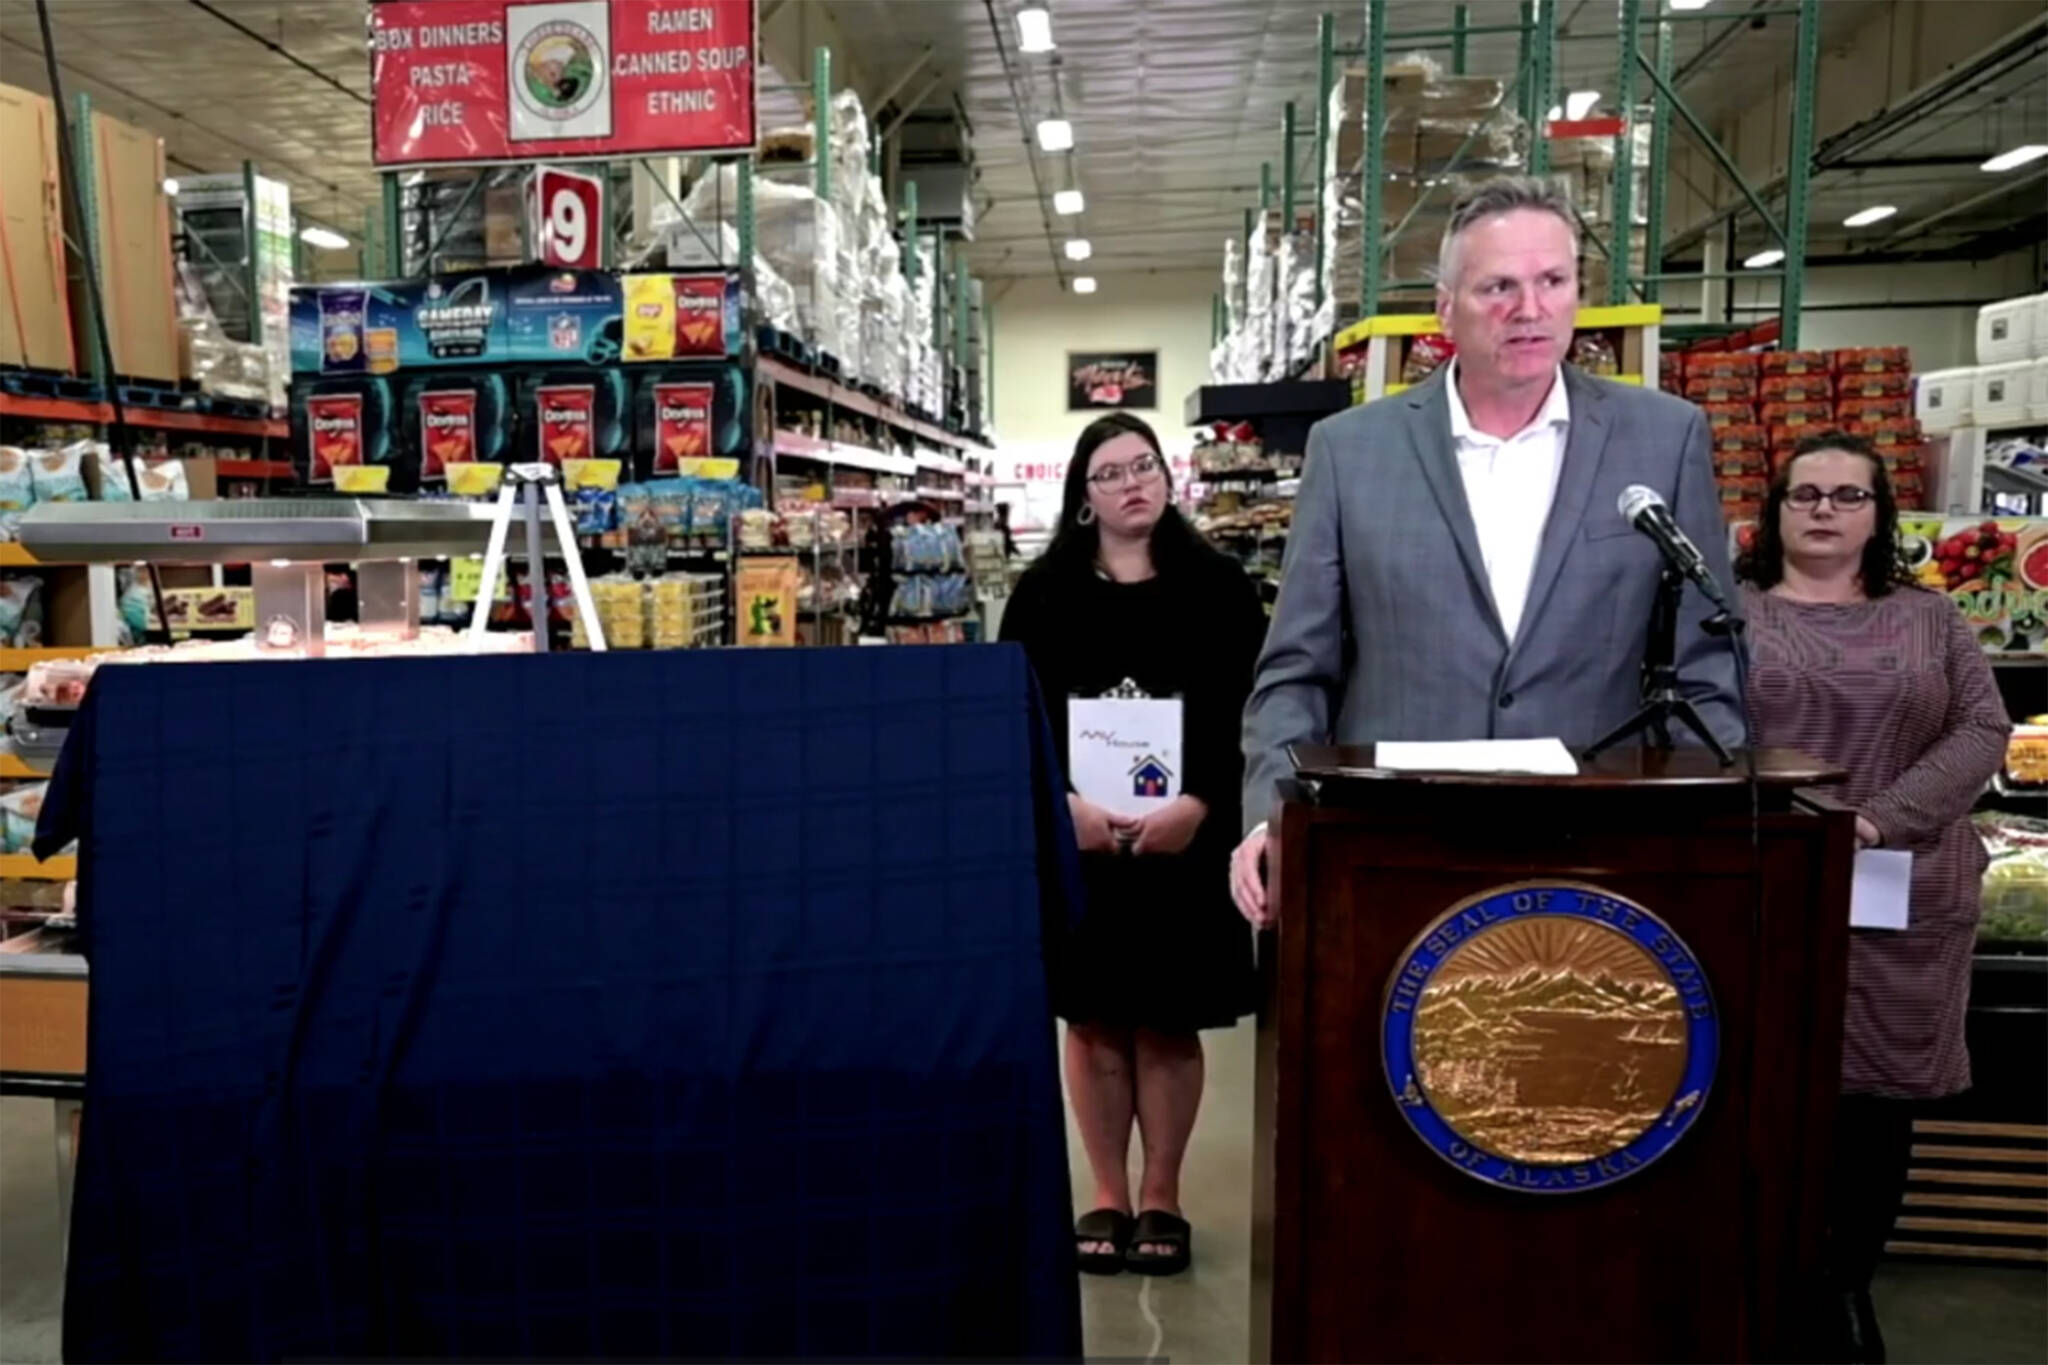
{"x":690,"y":245}
{"x":796,"y":234}
{"x":1256,"y":336}
{"x":1301,"y":317}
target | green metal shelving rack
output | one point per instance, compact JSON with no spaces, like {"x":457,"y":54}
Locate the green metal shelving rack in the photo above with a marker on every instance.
{"x":1531,"y":94}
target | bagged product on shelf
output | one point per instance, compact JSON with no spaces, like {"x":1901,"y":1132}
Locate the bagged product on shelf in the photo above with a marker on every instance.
{"x":1594,"y":353}
{"x":21,"y":613}
{"x":17,"y":483}
{"x":159,"y":480}
{"x":19,"y":811}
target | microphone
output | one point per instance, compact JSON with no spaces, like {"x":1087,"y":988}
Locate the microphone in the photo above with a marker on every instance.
{"x":1644,"y":509}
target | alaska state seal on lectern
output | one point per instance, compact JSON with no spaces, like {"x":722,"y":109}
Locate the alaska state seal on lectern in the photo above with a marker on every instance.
{"x":1549,"y":1037}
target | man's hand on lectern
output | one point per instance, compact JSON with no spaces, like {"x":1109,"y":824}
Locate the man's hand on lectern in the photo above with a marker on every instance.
{"x":1248,"y":878}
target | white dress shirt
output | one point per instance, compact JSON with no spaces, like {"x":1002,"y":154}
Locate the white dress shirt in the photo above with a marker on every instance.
{"x":1509,"y":485}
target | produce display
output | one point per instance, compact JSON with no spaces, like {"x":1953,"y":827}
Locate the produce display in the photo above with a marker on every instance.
{"x":1996,"y":569}
{"x":2015,"y":895}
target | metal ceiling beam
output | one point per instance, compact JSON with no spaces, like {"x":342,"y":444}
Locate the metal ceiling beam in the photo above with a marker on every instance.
{"x":895,"y":87}
{"x":1998,"y":191}
{"x":301,"y":63}
{"x":2000,"y":58}
{"x":1052,"y":249}
{"x":1908,"y":163}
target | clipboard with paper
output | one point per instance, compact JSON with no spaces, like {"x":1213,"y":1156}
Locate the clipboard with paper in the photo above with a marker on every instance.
{"x":1124,"y":749}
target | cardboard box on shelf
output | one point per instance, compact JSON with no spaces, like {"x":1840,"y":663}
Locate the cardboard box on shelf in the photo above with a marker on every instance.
{"x":135,"y":268}
{"x":35,"y":314}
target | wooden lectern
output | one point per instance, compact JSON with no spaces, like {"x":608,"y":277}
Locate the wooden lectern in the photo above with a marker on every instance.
{"x":1548,"y":1066}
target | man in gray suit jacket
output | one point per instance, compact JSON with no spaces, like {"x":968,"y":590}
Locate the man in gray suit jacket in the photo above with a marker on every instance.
{"x":1456,"y":567}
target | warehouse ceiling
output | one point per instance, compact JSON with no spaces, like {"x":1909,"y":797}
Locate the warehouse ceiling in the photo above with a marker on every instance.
{"x":1175,"y":105}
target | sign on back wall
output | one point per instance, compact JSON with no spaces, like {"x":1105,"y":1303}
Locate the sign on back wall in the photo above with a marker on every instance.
{"x":1112,"y":379}
{"x":478,"y":81}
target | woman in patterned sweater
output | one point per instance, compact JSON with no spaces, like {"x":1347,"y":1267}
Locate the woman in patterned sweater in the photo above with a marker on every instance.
{"x":1856,"y":665}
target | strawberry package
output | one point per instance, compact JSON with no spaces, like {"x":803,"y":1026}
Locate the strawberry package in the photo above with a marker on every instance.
{"x":1871,"y":360}
{"x":1741,"y":489}
{"x":1807,"y":412}
{"x":1706,"y":364}
{"x":1798,"y":388}
{"x":1794,"y":362}
{"x":1728,"y":414}
{"x":1852,"y":410}
{"x":1740,"y":462}
{"x":1720,"y":388}
{"x":1862,"y":384}
{"x":1739,"y":436}
{"x":1888,"y":432}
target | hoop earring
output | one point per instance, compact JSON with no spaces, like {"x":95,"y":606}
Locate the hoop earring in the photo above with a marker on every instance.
{"x":1086,"y":516}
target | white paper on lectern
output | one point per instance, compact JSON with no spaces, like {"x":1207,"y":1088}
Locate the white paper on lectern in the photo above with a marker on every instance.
{"x":1124,"y":754}
{"x":1543,"y":757}
{"x":1879,"y":891}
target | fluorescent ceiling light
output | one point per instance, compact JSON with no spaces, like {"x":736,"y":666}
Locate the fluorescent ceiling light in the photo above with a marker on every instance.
{"x":1034,"y":30}
{"x":1055,"y":135}
{"x":1067,"y":201}
{"x":1580,"y":103}
{"x":1084,"y":284}
{"x":326,"y":238}
{"x":2018,"y":156}
{"x":1689,"y":4}
{"x":1763,"y":259}
{"x":1876,"y":213}
{"x":170,"y":185}
{"x":1079,"y":249}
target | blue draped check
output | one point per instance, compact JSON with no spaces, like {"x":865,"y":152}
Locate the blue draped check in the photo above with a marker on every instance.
{"x":651,"y":1006}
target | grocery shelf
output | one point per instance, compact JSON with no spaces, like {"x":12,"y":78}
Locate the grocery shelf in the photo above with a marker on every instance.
{"x":20,"y":660}
{"x":800,"y":446}
{"x":839,"y":395}
{"x":942,"y":494}
{"x":54,"y":409}
{"x":62,"y":868}
{"x":940,"y":464}
{"x":14,"y":555}
{"x":72,"y":410}
{"x":255,"y":469}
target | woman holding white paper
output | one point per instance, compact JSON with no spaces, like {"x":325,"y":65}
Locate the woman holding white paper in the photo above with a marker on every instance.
{"x":1857,"y":665}
{"x":1143,"y":639}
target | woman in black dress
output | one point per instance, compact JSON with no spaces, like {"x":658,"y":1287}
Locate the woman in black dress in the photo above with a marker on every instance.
{"x":1128,"y":592}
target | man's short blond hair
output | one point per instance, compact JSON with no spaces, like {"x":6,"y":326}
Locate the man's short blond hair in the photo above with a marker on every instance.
{"x":1502,"y":194}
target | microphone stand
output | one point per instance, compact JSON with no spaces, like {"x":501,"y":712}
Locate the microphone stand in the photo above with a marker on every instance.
{"x":1663,"y":702}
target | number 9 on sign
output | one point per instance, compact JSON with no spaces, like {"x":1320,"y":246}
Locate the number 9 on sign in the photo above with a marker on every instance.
{"x":564,"y":216}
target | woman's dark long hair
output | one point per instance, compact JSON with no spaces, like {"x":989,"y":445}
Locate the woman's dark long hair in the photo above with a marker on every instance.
{"x":1884,"y":558}
{"x":1075,"y":544}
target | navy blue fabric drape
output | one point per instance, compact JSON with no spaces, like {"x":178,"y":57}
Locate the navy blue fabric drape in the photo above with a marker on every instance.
{"x":667,"y":1005}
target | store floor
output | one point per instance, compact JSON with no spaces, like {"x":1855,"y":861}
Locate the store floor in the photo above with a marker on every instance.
{"x":1932,"y":1313}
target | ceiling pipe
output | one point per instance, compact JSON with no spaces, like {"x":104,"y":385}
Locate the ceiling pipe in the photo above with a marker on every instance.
{"x":995,"y":27}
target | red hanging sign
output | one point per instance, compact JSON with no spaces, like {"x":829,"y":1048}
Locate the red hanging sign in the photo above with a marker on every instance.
{"x":473,"y":81}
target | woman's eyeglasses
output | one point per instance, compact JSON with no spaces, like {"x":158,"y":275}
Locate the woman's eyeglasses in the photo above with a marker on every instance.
{"x":1847,"y":498}
{"x":1115,"y":475}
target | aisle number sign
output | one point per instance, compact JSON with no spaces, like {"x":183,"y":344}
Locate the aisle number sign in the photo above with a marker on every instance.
{"x":565,"y":217}
{"x":479,"y":81}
